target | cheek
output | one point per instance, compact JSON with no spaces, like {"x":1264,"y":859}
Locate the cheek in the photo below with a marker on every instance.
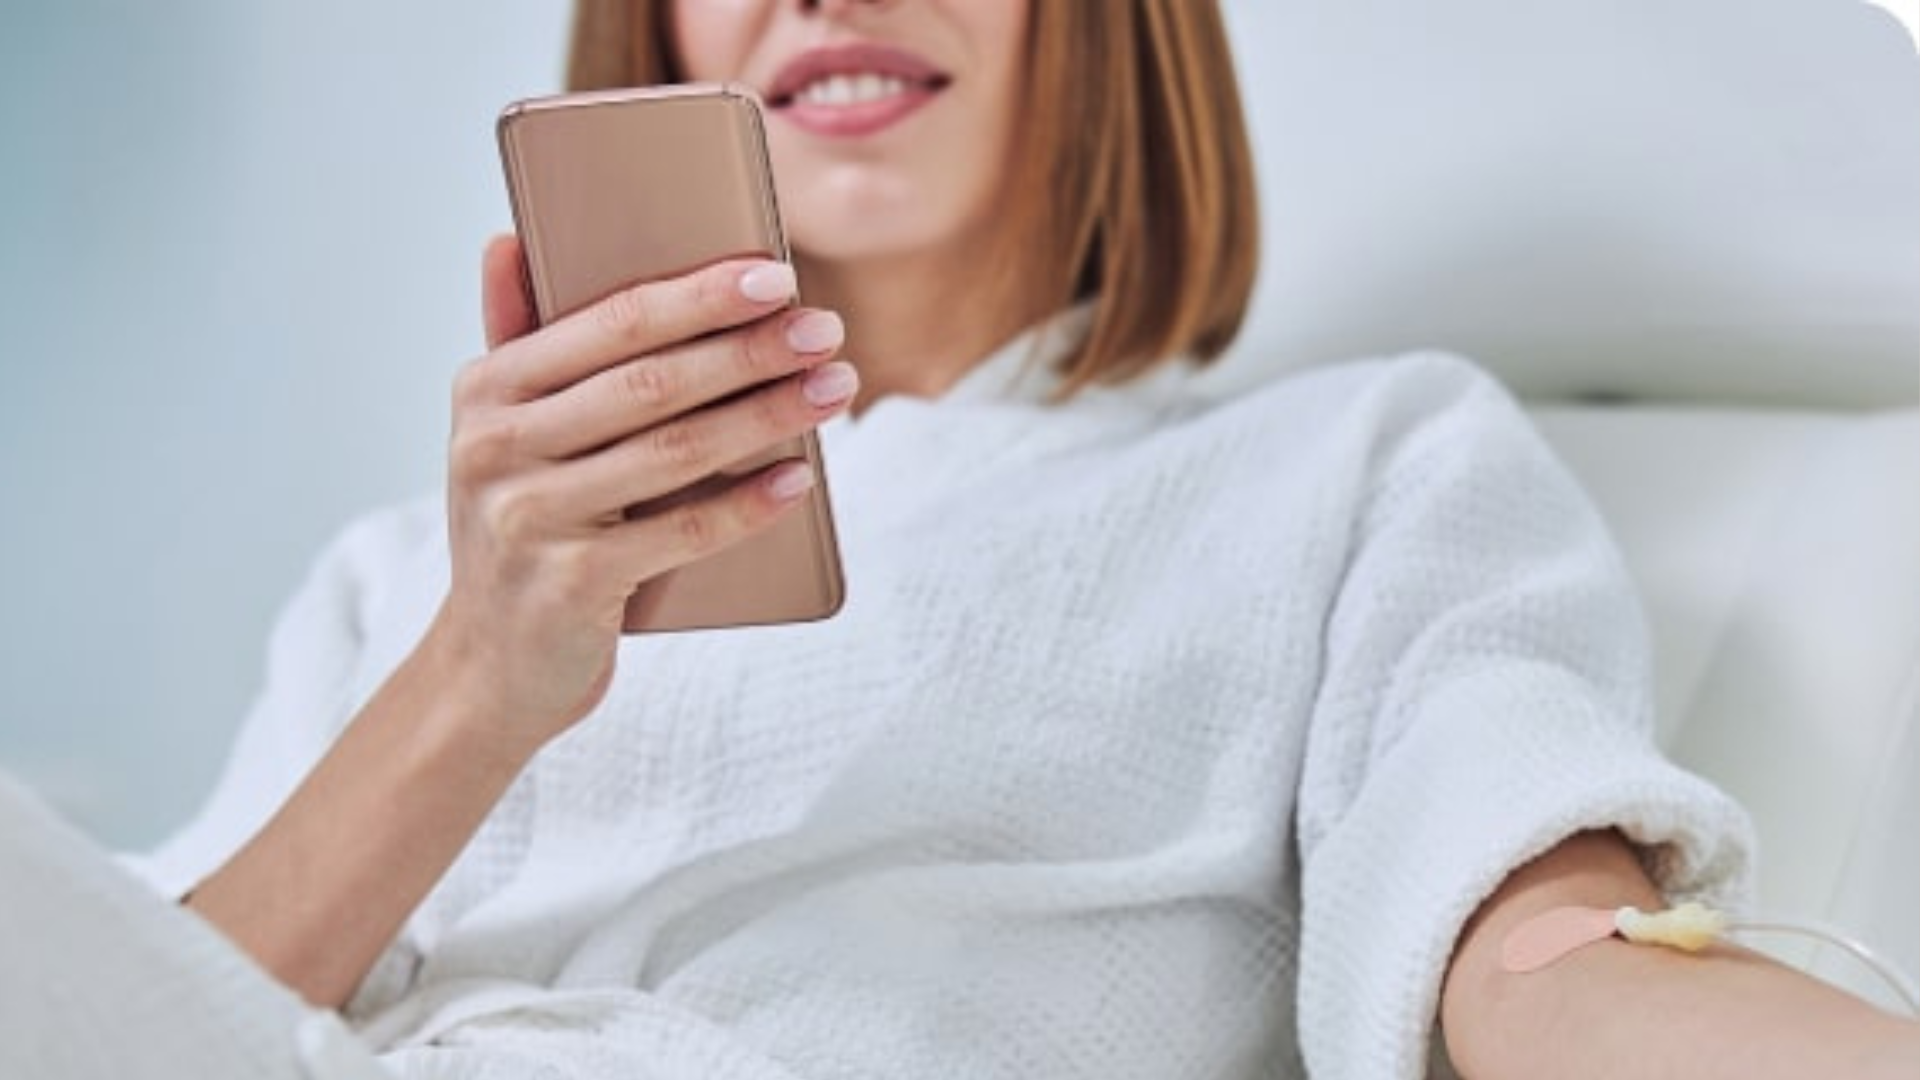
{"x":1004,"y":22}
{"x":711,"y":37}
{"x":1003,"y":28}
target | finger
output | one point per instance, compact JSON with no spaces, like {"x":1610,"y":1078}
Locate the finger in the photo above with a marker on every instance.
{"x":663,"y":461}
{"x":635,"y":322}
{"x":505,"y":306}
{"x":697,"y":527}
{"x":642,"y":393}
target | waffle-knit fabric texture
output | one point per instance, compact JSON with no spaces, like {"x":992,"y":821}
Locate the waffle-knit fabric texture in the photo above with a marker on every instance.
{"x":1158,"y":738}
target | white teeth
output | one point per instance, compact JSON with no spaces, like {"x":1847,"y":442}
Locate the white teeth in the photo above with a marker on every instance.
{"x":850,"y":89}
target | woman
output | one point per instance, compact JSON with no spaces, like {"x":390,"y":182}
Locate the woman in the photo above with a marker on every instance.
{"x":1157,"y":738}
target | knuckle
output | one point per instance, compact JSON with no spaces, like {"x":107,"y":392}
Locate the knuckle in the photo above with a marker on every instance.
{"x":679,"y":446}
{"x":472,"y":384}
{"x":716,"y":290}
{"x":752,"y":508}
{"x":649,"y":385}
{"x":628,"y":316}
{"x":482,"y":448}
{"x":514,"y":512}
{"x":763,"y":354}
{"x":576,"y":573}
{"x":695,"y":528}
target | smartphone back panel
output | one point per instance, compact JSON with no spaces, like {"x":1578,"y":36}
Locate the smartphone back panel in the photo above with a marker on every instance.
{"x":611,"y":189}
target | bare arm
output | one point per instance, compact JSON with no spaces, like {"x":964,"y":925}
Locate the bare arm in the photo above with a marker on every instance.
{"x":1621,"y":1011}
{"x":556,"y":433}
{"x":320,"y":892}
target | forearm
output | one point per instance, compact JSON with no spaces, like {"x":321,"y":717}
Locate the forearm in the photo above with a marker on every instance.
{"x":322,"y":890}
{"x":559,"y":433}
{"x":1618,"y":1010}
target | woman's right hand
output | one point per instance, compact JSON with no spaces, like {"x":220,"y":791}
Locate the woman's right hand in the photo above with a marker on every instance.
{"x":557,"y":431}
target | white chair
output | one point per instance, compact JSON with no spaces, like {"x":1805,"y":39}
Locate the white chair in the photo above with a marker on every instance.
{"x":1688,"y":235}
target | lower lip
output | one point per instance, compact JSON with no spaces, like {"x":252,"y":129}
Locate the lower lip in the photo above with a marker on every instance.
{"x":852,"y":121}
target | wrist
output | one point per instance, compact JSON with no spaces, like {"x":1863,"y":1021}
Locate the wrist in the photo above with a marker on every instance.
{"x":508,"y":683}
{"x":458,"y":709}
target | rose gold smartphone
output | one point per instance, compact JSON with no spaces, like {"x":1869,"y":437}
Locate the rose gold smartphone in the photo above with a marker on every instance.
{"x":614,"y":188}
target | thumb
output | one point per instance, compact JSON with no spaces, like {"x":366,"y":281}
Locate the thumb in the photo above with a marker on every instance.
{"x":504,"y":304}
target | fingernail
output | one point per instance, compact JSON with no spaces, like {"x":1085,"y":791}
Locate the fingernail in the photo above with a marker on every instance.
{"x":830,"y":384}
{"x":790,"y":481}
{"x":767,"y":282}
{"x":816,"y":331}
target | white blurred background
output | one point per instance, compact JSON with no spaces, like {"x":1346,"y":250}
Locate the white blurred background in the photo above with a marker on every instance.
{"x":240,"y":263}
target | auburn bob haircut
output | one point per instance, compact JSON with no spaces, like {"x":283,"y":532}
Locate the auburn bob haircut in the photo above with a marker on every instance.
{"x":1133,"y":183}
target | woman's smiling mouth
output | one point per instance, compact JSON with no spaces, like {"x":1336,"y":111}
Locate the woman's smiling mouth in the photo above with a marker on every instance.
{"x":853,"y":90}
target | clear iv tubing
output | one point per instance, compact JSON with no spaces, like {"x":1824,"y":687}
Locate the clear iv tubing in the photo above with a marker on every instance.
{"x":1902,"y":987}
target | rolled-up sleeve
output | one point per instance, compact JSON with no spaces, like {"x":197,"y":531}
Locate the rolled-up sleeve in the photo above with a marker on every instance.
{"x":1485,"y":694}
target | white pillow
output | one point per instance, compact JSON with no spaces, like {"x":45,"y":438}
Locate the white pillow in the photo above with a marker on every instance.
{"x":1776,"y":552}
{"x":1708,"y":199}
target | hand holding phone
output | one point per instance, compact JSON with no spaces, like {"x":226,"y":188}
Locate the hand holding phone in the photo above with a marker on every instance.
{"x":616,"y":188}
{"x":607,"y":458}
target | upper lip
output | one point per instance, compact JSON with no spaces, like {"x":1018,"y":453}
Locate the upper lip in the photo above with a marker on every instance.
{"x":818,"y":63}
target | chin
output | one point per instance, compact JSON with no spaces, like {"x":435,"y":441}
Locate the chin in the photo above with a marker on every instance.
{"x":843,"y":216}
{"x":841,"y":249}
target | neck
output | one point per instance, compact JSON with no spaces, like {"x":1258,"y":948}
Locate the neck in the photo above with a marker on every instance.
{"x":915,"y":324}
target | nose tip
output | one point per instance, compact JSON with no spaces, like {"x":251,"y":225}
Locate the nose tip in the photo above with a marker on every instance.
{"x":829,"y":6}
